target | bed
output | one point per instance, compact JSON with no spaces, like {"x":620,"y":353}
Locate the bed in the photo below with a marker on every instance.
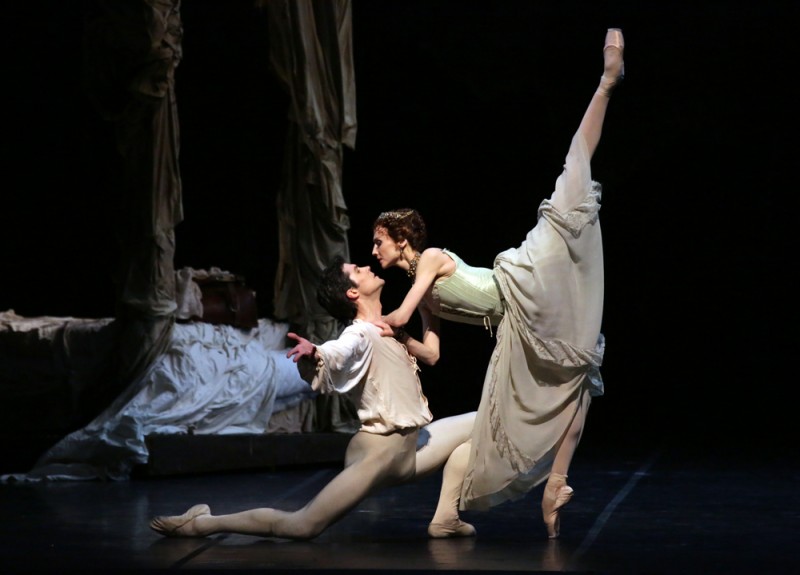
{"x":211,"y":380}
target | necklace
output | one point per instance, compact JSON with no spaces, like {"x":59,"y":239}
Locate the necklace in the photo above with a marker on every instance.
{"x":412,"y":267}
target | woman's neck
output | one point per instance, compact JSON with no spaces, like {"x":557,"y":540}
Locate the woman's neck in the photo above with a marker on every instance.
{"x":413,"y":260}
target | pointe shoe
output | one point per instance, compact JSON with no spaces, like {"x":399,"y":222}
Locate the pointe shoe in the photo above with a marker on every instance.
{"x":614,"y":67}
{"x":170,"y":526}
{"x":556,"y":495}
{"x":457,"y":529}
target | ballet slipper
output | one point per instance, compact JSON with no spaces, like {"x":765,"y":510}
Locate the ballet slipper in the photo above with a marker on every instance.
{"x":556,"y":495}
{"x":614,"y":67}
{"x":179,"y":525}
{"x":457,"y":529}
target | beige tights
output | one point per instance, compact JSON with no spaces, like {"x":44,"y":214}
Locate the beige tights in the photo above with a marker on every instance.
{"x":569,"y":442}
{"x":371,"y":461}
{"x":556,"y":491}
{"x":448,"y":446}
{"x":591,"y":126}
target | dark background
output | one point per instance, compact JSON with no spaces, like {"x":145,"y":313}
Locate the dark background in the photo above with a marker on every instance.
{"x":465,"y":111}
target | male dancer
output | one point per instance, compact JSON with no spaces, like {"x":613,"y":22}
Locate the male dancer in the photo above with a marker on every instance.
{"x":382,"y":378}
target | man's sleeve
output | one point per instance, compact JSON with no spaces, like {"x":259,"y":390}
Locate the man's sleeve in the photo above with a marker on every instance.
{"x":342,"y":363}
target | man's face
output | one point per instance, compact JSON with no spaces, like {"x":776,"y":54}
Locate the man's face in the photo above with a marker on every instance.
{"x":366,"y":281}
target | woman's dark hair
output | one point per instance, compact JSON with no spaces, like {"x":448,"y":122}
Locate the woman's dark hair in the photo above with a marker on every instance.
{"x":405,"y":224}
{"x":332,"y":292}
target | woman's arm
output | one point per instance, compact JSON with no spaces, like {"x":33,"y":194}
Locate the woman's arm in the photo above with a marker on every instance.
{"x":432,"y":265}
{"x":425,"y":350}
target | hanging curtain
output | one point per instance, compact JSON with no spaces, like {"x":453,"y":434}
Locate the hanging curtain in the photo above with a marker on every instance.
{"x":132,"y":48}
{"x":311,"y":54}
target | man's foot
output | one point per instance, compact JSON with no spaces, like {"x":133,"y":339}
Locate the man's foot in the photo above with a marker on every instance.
{"x":456,"y":529}
{"x":180,"y":525}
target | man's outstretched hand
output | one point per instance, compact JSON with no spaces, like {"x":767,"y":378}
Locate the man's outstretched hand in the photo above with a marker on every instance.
{"x":304,"y":348}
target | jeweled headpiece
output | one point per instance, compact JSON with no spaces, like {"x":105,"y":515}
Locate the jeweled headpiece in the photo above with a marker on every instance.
{"x":394,"y":216}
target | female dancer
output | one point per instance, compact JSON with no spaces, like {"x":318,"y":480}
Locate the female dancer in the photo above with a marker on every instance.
{"x":546,"y":297}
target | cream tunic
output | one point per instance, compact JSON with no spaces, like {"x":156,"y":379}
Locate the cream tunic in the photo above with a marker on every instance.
{"x":388,"y":399}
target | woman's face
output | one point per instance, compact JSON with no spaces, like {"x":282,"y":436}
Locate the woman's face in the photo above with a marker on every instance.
{"x":384,"y":248}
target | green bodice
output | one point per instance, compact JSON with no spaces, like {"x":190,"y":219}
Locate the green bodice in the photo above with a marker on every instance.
{"x":470,"y":295}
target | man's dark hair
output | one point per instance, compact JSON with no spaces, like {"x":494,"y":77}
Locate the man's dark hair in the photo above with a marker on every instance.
{"x":332,"y":292}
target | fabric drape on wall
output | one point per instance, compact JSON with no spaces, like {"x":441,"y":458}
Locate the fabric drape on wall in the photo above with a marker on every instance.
{"x":132,"y":48}
{"x":311,"y":53}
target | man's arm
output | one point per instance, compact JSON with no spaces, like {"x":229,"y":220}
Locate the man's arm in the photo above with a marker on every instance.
{"x":304,"y":348}
{"x":304,"y":354}
{"x":337,"y":365}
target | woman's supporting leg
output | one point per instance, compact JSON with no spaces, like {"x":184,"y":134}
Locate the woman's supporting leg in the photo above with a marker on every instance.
{"x":556,"y":491}
{"x":572,"y":437}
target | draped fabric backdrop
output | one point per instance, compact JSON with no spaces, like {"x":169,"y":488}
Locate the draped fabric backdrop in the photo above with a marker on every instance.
{"x":132,"y":49}
{"x":311,"y":53}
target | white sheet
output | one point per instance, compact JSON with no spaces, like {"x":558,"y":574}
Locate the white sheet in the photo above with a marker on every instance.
{"x":211,"y":380}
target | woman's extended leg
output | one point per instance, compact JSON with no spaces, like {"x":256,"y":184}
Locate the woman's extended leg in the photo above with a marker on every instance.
{"x":613,"y":67}
{"x":591,"y":126}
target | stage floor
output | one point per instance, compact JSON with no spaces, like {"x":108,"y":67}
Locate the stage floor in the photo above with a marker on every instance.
{"x":665,"y":510}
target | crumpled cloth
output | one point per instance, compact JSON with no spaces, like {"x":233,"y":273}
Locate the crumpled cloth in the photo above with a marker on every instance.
{"x":188,"y":296}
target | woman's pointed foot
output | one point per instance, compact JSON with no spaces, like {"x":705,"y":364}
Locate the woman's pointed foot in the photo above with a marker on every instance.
{"x":457,"y":529}
{"x":613,"y":62}
{"x":180,"y":525}
{"x":556,"y":495}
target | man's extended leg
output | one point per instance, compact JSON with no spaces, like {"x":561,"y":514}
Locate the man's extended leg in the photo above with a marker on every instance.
{"x":372,"y":461}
